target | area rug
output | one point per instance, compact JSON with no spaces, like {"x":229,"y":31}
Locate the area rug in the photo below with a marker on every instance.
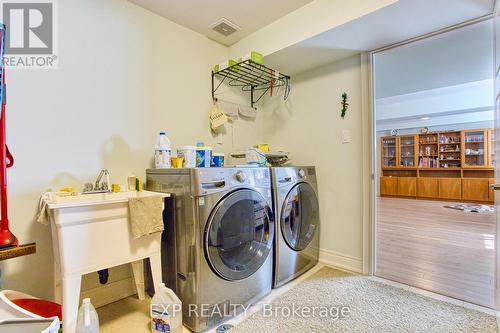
{"x":472,"y":208}
{"x":372,"y":307}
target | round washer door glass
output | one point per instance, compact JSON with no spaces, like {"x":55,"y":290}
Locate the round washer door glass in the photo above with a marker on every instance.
{"x":239,"y":235}
{"x":300,"y":216}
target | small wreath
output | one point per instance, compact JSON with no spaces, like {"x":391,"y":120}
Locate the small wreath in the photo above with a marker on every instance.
{"x":345,"y":105}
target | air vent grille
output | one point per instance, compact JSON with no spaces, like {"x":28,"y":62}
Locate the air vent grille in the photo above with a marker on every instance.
{"x":225,"y":27}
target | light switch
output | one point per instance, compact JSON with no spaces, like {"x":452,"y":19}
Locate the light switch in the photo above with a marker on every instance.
{"x":346,"y":136}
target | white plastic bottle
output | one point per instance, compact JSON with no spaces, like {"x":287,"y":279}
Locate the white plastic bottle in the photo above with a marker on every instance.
{"x":163,"y":152}
{"x":88,"y":321}
{"x":166,"y":311}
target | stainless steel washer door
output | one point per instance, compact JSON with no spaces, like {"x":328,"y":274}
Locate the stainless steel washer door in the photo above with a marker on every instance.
{"x":239,"y":234}
{"x":299,"y":216}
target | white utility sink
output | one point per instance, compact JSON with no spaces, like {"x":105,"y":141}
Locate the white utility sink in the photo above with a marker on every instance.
{"x":61,"y":201}
{"x":91,"y":232}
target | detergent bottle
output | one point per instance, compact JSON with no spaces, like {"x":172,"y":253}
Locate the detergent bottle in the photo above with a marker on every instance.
{"x":166,"y":311}
{"x":163,"y":152}
{"x":88,"y":321}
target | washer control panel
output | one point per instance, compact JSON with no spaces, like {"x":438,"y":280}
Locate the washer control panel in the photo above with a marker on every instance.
{"x":240,"y":176}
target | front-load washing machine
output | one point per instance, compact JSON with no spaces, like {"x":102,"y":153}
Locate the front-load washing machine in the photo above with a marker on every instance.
{"x":222,"y":232}
{"x":295,"y":199}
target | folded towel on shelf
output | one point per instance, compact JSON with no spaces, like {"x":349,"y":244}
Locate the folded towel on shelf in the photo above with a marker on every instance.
{"x":146,"y":215}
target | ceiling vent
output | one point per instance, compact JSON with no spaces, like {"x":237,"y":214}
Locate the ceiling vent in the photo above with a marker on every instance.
{"x":224,"y":27}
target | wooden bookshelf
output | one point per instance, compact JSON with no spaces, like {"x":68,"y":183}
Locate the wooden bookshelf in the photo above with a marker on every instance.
{"x":450,"y":165}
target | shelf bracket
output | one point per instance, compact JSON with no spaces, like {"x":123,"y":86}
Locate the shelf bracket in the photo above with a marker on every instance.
{"x":260,"y":97}
{"x":213,"y":85}
{"x":251,"y":95}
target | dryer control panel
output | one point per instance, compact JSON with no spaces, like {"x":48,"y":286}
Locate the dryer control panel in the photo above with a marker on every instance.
{"x":212,"y":180}
{"x":286,"y":176}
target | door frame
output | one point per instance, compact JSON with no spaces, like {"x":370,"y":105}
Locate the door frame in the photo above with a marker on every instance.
{"x":496,"y":146}
{"x":369,"y":143}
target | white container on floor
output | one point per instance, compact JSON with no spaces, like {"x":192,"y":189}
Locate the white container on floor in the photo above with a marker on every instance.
{"x":88,"y":320}
{"x":166,"y":311}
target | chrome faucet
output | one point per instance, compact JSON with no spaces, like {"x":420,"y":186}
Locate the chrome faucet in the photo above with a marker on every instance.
{"x":98,"y":187}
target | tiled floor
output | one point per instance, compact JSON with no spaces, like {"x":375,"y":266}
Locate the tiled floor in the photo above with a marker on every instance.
{"x":131,"y":315}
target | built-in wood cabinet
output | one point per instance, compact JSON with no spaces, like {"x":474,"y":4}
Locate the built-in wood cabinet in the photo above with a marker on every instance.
{"x":451,"y":165}
{"x":450,"y":188}
{"x":390,"y":153}
{"x":388,"y":185}
{"x":450,"y":150}
{"x":428,"y":149}
{"x":475,"y":148}
{"x":468,"y":189}
{"x":491,"y":191}
{"x":427,"y":187}
{"x":407,"y":186}
{"x":407,"y":151}
{"x":475,"y":189}
{"x":491,"y":148}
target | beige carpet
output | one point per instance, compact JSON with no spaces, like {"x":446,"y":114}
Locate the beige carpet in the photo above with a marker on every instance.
{"x":374,"y":307}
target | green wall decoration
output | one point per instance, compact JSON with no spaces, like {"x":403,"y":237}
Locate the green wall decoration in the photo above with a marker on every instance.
{"x":345,"y":105}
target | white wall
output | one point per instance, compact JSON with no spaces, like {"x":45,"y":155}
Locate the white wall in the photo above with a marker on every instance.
{"x":309,"y":126}
{"x":306,"y":22}
{"x":456,"y":57}
{"x":457,"y":104}
{"x":124,"y":75}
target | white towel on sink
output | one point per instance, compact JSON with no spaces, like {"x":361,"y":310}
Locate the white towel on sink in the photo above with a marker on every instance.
{"x":42,"y":215}
{"x":146,"y":215}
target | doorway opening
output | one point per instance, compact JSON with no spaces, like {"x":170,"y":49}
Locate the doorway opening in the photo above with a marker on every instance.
{"x":434,"y":142}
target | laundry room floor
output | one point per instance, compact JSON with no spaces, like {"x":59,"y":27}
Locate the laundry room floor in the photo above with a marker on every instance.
{"x":131,"y":315}
{"x":373,"y":303}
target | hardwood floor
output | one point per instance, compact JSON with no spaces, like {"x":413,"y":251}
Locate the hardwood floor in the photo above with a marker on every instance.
{"x":423,"y":244}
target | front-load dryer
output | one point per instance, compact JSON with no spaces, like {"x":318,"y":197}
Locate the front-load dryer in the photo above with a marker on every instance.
{"x":223,"y":230}
{"x":295,"y":199}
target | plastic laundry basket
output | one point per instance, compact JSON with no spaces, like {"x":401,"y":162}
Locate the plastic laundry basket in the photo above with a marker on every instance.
{"x":9,"y":309}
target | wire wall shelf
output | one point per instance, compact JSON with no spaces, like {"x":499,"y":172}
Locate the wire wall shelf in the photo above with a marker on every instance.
{"x":252,"y":77}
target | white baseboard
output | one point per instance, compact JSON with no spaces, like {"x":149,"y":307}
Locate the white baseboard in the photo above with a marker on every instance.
{"x":340,"y":260}
{"x":110,"y":292}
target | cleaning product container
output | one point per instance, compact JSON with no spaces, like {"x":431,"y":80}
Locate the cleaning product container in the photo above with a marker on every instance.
{"x":166,"y":311}
{"x":189,"y":155}
{"x":218,"y":160}
{"x":203,"y":157}
{"x":163,"y":152}
{"x":88,"y":320}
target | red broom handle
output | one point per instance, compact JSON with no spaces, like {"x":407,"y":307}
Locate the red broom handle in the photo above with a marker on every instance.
{"x":7,"y":238}
{"x":3,"y":165}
